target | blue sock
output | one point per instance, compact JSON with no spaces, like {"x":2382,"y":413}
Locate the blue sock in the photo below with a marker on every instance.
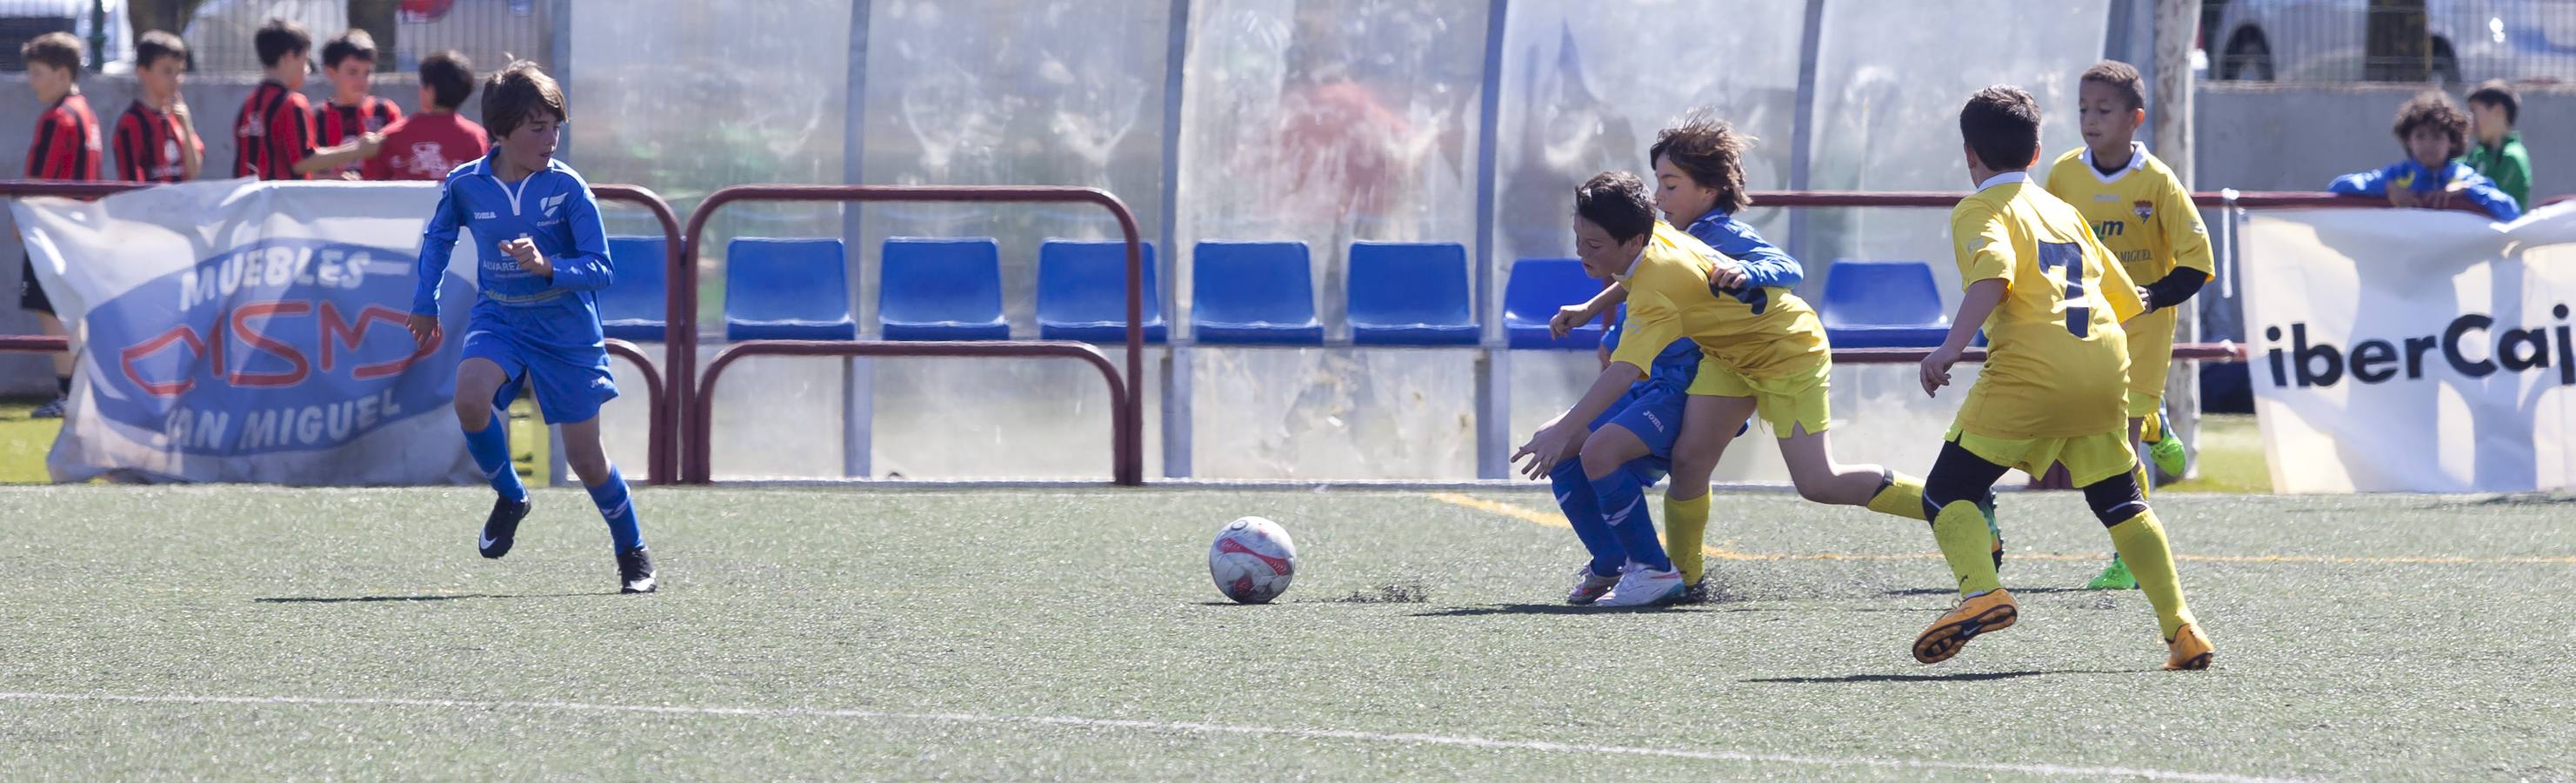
{"x":1623,"y":502}
{"x":619,"y":509}
{"x":491,"y":450}
{"x":1574,"y":495}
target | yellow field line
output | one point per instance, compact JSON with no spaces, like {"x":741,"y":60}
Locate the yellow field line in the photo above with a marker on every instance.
{"x":1551,"y":519}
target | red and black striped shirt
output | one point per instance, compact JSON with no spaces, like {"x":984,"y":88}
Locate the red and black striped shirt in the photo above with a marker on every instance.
{"x":272,"y":133}
{"x":66,"y":145}
{"x":334,"y":124}
{"x":147,"y":146}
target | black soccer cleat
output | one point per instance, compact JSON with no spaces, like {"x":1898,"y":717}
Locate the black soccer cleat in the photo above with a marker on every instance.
{"x":502,"y":527}
{"x":635,"y":571}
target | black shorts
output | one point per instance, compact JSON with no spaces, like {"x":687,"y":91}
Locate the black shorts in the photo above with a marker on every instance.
{"x":31,"y":297}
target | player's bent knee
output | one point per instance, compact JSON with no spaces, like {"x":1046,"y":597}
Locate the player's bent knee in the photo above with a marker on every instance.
{"x":2115,"y":499}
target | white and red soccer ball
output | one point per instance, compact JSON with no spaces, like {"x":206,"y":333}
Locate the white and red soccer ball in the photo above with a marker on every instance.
{"x":1252,"y":560}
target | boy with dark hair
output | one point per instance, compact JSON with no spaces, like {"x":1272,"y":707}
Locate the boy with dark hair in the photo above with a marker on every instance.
{"x":350,"y":60}
{"x":1700,"y":184}
{"x":535,"y":323}
{"x":65,"y":148}
{"x":2494,"y":110}
{"x":2432,"y":132}
{"x":2142,"y":213}
{"x":425,"y":146}
{"x":2050,"y":299}
{"x":156,"y":140}
{"x":273,"y":134}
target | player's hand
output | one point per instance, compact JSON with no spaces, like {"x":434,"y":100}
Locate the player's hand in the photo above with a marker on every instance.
{"x":1567,"y":319}
{"x":1936,"y":369}
{"x":370,"y":142}
{"x":2147,"y":298}
{"x":524,"y":250}
{"x":1544,"y":449}
{"x":2402,"y":197}
{"x":424,"y":331}
{"x":1726,"y":274}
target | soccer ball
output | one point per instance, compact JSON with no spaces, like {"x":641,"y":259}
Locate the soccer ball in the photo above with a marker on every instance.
{"x":1252,"y":560}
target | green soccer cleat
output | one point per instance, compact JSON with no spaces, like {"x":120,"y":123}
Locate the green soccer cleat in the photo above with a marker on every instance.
{"x":2115,"y":576}
{"x":2169,"y":456}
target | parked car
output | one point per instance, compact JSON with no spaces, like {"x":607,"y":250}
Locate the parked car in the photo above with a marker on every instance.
{"x":2531,"y":41}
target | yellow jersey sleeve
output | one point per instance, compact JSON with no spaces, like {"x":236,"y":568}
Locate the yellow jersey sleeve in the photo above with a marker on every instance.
{"x":1984,"y":245}
{"x":1653,"y":324}
{"x":2185,"y":236}
{"x":2118,"y":290}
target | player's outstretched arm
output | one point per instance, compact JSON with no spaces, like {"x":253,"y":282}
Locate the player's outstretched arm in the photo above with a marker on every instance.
{"x":1979,"y":302}
{"x":1571,"y":316}
{"x":1564,"y":436}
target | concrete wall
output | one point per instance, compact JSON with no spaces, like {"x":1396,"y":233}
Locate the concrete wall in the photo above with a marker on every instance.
{"x":214,"y":101}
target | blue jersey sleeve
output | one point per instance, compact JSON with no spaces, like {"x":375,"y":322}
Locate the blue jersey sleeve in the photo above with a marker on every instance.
{"x":587,"y":267}
{"x":1765,"y":265}
{"x":437,"y":243}
{"x":2484,"y":193}
{"x":2367,"y":183}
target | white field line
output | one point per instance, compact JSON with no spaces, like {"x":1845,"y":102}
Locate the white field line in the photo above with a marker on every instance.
{"x":1156,"y":727}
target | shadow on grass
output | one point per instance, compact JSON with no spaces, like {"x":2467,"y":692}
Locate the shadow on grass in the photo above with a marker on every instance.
{"x":1959,"y":677}
{"x":374,"y":599}
{"x":1483,"y":611}
{"x":1954,"y":592}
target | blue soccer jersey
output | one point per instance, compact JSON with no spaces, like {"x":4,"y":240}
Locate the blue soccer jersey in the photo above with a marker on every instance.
{"x":543,"y":330}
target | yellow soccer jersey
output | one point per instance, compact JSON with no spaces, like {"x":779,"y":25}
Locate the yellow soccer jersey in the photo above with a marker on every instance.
{"x":1668,"y":299}
{"x":2143,"y":214}
{"x":2057,"y":361}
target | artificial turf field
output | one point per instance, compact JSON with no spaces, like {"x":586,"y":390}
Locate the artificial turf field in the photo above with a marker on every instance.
{"x":252,"y":632}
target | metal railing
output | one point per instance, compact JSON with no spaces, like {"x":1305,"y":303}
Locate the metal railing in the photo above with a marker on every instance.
{"x":1126,"y":403}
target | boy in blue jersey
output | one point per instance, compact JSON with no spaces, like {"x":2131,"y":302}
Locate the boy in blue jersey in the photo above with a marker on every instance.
{"x":2433,"y":133}
{"x":543,"y":258}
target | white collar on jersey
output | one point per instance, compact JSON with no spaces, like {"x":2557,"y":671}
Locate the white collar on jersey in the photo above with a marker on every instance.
{"x":2137,"y":160}
{"x":1640,"y":259}
{"x":2005,"y":178}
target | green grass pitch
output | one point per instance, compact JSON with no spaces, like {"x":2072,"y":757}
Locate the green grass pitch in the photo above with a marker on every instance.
{"x":263,"y":633}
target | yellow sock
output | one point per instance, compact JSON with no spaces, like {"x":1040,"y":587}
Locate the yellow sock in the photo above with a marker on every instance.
{"x":2151,"y":428}
{"x":1961,"y":531}
{"x":1902,"y":497}
{"x":1685,"y":526}
{"x":2141,"y":541}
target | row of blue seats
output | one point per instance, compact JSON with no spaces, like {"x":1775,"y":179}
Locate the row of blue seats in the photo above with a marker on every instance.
{"x":1251,"y":293}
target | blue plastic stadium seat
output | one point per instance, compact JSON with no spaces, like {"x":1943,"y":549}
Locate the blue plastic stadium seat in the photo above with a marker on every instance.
{"x":1537,"y":287}
{"x":1409,"y":293}
{"x":787,"y":289}
{"x":1082,"y":292}
{"x":631,"y":307}
{"x":1253,"y":293}
{"x":942,"y":289}
{"x":1883,"y":304}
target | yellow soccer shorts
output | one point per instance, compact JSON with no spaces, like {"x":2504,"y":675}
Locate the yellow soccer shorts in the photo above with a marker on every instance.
{"x":2088,"y":458}
{"x":1787,"y":401}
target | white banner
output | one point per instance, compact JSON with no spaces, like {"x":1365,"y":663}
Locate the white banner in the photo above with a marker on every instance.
{"x":2402,"y":350}
{"x":246,"y":331}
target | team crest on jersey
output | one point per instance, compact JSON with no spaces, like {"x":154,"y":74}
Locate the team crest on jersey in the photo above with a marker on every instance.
{"x":2144,"y":209}
{"x":552,"y":203}
{"x":169,"y":149}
